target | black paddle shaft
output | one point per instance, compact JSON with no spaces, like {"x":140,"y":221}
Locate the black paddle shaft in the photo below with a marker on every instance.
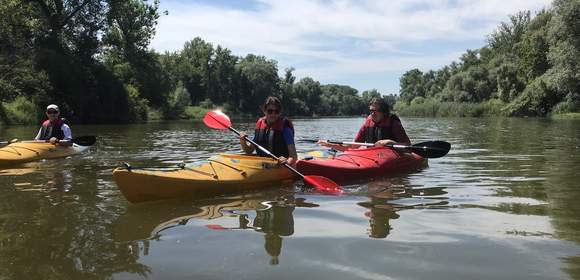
{"x":429,"y":149}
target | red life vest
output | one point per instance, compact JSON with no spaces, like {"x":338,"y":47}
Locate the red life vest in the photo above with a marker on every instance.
{"x":271,"y":137}
{"x":374,"y":132}
{"x":50,"y":130}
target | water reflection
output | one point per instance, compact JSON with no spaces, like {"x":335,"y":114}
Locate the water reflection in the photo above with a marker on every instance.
{"x":44,"y":179}
{"x":269,"y":212}
{"x":387,"y":196}
{"x":272,"y":214}
{"x":277,"y":220}
{"x":58,"y":232}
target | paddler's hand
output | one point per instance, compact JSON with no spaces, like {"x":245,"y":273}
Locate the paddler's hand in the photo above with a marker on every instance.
{"x":243,"y":136}
{"x":385,"y":142}
{"x":291,"y":161}
{"x":282,"y":160}
{"x":324,"y":143}
{"x":53,"y":140}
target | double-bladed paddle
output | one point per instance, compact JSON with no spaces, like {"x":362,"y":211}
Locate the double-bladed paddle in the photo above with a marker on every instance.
{"x":82,"y":140}
{"x":219,"y":120}
{"x":429,"y":149}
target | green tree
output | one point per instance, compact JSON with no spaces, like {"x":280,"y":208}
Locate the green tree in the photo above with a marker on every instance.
{"x":258,"y":80}
{"x":508,"y":34}
{"x":309,"y":91}
{"x":20,"y":75}
{"x":223,"y":75}
{"x":194,"y":69}
{"x":509,"y":84}
{"x":564,"y":40}
{"x":287,"y":91}
{"x":368,"y":95}
{"x":341,"y":100}
{"x":536,"y":100}
{"x":533,"y":48}
{"x":63,"y":42}
{"x":130,"y":27}
{"x":411,"y":83}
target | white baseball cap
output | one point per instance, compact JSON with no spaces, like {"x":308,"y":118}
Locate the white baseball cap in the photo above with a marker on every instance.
{"x":53,"y":107}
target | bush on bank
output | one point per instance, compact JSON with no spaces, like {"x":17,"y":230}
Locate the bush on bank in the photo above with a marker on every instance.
{"x":434,"y":108}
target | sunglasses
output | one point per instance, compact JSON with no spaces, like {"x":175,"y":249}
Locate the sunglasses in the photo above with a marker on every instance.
{"x":372,"y":111}
{"x":52,"y":112}
{"x":272,"y":111}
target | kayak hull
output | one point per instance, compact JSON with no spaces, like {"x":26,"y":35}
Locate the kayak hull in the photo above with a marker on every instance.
{"x":219,"y":174}
{"x":362,"y":164}
{"x":22,"y":152}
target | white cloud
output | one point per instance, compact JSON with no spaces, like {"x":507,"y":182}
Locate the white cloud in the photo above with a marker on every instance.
{"x":341,"y":36}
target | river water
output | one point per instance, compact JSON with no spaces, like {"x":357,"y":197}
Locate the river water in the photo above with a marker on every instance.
{"x":503,"y":204}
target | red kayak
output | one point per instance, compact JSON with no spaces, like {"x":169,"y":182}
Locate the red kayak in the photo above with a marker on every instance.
{"x":362,"y":163}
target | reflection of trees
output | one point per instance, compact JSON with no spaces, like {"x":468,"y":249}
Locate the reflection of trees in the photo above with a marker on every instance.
{"x":542,"y":167}
{"x":53,"y":234}
{"x":573,"y":266}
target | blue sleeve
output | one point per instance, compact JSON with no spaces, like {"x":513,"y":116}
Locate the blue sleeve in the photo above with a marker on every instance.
{"x":288,"y":136}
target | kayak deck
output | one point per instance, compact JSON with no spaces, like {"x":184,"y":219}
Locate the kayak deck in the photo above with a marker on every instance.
{"x":362,"y":164}
{"x":219,"y":174}
{"x":22,"y":152}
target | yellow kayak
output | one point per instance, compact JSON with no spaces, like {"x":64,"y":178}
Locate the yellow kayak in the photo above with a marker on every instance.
{"x":219,"y":174}
{"x":27,"y":151}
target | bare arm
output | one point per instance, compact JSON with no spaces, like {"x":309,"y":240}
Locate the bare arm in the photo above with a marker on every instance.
{"x":247,"y":147}
{"x":292,"y":155}
{"x":337,"y":147}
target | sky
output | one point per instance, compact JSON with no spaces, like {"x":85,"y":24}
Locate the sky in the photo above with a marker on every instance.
{"x":366,"y":44}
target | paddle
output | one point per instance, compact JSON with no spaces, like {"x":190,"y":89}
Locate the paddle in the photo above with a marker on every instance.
{"x":219,"y":120}
{"x":88,"y":140}
{"x":83,"y":141}
{"x":429,"y":149}
{"x":220,"y":227}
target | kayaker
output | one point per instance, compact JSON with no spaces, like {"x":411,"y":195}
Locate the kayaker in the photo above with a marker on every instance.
{"x":273,"y":132}
{"x":380,"y":127}
{"x":54,"y":129}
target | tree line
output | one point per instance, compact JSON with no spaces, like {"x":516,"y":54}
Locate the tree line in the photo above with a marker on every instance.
{"x":529,"y":67}
{"x":92,"y":57}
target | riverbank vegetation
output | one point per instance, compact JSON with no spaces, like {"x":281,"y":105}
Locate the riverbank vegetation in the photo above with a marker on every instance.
{"x":529,"y":67}
{"x":93,"y":59}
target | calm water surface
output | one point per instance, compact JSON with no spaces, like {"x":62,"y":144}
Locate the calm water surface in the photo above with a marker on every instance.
{"x":503,"y":204}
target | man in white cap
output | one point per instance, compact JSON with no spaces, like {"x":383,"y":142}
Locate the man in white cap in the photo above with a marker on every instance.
{"x":55,"y":130}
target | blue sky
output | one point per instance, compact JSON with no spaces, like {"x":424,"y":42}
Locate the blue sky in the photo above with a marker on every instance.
{"x":365,"y":44}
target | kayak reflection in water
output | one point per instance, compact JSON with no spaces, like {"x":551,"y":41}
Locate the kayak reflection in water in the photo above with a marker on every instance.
{"x":54,"y":129}
{"x":380,"y":127}
{"x":273,"y":132}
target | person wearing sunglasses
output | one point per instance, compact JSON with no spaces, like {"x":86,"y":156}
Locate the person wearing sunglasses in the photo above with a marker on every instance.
{"x":54,"y":129}
{"x":273,"y":132}
{"x":380,"y":127}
